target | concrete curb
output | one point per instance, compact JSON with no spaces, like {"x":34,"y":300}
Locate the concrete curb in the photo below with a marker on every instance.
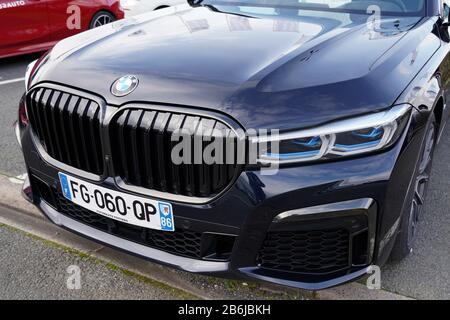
{"x":11,"y":196}
{"x":30,"y":220}
{"x":39,"y":227}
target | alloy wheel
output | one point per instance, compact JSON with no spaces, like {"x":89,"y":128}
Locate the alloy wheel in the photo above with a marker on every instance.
{"x":421,"y":184}
{"x":102,"y":20}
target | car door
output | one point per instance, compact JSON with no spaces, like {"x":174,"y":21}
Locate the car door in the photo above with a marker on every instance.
{"x":23,"y":26}
{"x":68,"y":17}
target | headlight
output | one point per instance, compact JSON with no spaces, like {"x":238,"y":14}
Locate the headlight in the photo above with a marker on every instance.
{"x":33,"y":67}
{"x":28,"y":73}
{"x":339,"y":139}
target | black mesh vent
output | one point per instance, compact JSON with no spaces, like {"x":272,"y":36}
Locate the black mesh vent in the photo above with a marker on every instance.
{"x":68,"y":128}
{"x":312,"y":252}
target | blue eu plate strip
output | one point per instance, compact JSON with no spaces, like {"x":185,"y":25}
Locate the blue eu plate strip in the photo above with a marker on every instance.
{"x":65,"y":186}
{"x":166,"y":216}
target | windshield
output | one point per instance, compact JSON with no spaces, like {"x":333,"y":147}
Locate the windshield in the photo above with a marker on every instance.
{"x":397,"y":7}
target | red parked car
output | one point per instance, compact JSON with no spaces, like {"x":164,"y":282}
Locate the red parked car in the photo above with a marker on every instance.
{"x":28,"y":26}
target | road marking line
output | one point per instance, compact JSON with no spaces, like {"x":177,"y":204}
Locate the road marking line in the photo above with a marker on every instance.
{"x":19,"y":179}
{"x":11,"y":81}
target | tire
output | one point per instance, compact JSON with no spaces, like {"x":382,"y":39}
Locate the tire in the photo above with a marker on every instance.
{"x":413,"y":211}
{"x":101,"y":18}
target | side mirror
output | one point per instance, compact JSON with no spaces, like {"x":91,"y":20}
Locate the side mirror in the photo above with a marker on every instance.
{"x":446,"y":15}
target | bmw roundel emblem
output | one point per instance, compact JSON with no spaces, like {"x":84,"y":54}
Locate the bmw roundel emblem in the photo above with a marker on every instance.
{"x":124,"y":86}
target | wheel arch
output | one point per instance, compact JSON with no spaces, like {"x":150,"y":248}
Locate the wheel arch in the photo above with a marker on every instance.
{"x":107,"y":10}
{"x":439,"y":113}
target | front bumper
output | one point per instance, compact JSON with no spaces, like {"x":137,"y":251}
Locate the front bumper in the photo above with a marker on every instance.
{"x":257,"y":203}
{"x":186,"y":264}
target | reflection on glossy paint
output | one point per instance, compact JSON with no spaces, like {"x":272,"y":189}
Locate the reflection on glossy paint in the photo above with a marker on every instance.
{"x":282,"y":71}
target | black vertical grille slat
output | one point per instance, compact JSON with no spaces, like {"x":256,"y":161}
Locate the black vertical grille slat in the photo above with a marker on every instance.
{"x":204,"y":170}
{"x":159,"y":128}
{"x":219,"y":134}
{"x":44,"y":117}
{"x":52,"y":148}
{"x":39,"y":115}
{"x":133,"y":124}
{"x":233,"y":144}
{"x":97,"y":139}
{"x":54,"y":119}
{"x":33,"y":109}
{"x":68,"y":127}
{"x":121,"y":125}
{"x":145,"y":137}
{"x":73,"y":126}
{"x":53,"y":102}
{"x":82,"y":109}
{"x":223,"y":168}
{"x":68,"y":116}
{"x":144,"y":134}
{"x":190,"y":126}
{"x":95,"y":145}
{"x":64,"y":134}
{"x":175,"y":123}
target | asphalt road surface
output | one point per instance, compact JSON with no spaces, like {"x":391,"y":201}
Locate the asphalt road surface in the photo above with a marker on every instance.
{"x":33,"y":269}
{"x":425,"y":274}
{"x":12,"y":72}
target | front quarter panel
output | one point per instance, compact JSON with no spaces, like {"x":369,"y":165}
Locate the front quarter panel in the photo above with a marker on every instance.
{"x":424,"y":93}
{"x":432,"y":83}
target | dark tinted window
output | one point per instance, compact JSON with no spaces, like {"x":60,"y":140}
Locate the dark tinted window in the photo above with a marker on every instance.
{"x":406,"y":7}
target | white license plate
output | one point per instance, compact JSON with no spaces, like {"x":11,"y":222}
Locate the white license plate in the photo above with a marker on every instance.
{"x":119,"y":206}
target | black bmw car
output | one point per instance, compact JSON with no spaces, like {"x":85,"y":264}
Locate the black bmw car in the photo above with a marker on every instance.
{"x":327,"y":112}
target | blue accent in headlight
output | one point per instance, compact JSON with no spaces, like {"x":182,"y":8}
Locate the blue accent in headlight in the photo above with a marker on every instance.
{"x":375,"y":133}
{"x":359,"y":145}
{"x":294,"y":154}
{"x":312,"y":143}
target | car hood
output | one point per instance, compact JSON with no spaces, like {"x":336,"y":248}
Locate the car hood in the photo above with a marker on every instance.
{"x":282,"y":72}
